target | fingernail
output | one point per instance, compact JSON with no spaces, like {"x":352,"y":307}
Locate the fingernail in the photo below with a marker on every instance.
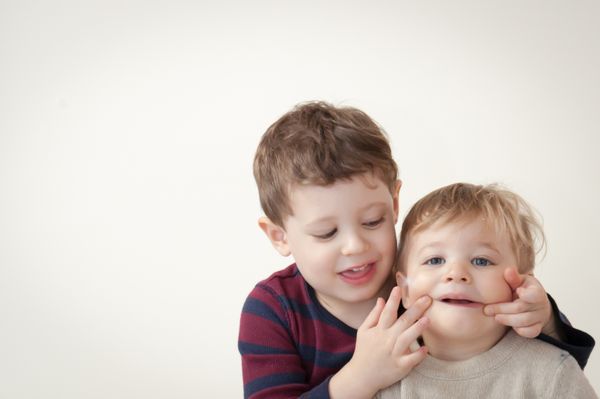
{"x":488,"y":311}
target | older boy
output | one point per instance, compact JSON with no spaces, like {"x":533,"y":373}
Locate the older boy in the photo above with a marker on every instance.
{"x":456,"y":245}
{"x":328,"y":186}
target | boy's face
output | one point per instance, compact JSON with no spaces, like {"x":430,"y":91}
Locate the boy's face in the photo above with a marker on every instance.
{"x":343,"y":238}
{"x":460,"y":265}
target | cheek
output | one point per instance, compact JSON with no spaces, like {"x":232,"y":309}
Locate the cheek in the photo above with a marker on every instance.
{"x":497,"y":289}
{"x":309,"y":255}
{"x":385,"y":239}
{"x":418,"y":284}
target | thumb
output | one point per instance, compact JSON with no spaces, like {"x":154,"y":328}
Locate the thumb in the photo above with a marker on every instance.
{"x":513,"y":278}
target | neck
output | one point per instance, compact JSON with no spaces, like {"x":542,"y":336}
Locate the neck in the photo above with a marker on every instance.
{"x":456,"y":347}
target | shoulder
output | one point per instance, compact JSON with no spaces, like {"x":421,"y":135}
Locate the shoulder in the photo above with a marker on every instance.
{"x":567,"y":380}
{"x":266,"y":310}
{"x":549,"y":365}
{"x":283,"y":280}
{"x":541,"y":353}
{"x":275,"y":296}
{"x":283,"y":285}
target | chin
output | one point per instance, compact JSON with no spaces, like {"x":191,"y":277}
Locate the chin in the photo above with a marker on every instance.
{"x":461,"y":324}
{"x":466,"y":329}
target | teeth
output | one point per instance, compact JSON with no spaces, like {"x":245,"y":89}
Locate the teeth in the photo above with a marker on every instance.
{"x":359,"y":269}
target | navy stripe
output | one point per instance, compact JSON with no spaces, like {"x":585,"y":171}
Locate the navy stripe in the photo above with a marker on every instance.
{"x":314,"y":311}
{"x":309,"y":311}
{"x":272,"y":380}
{"x":261,"y":309}
{"x":324,"y":314}
{"x":322,"y":358}
{"x":247,"y":348}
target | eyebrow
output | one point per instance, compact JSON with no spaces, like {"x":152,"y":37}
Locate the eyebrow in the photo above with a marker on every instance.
{"x":437,"y":244}
{"x":433,"y":245}
{"x":490,"y":246}
{"x":317,"y":223}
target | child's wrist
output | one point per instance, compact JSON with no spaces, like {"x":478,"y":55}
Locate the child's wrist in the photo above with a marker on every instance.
{"x":347,"y":384}
{"x":552,"y":329}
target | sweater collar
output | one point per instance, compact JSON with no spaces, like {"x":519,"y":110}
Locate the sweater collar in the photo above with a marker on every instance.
{"x":475,"y":366}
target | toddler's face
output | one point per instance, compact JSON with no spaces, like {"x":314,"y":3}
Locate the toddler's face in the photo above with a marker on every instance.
{"x":461,"y":266}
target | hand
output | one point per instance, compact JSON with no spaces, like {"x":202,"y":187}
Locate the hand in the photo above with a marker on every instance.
{"x":382,"y":354}
{"x":529,"y":312}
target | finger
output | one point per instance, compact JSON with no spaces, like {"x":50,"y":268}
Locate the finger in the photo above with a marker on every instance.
{"x":513,"y":278}
{"x":513,"y":307}
{"x":410,"y":335}
{"x":529,"y":332}
{"x":534,"y":293}
{"x":390,"y":310}
{"x":373,"y":316}
{"x":409,"y":361}
{"x":414,"y":346}
{"x":412,"y":314}
{"x":518,"y":320}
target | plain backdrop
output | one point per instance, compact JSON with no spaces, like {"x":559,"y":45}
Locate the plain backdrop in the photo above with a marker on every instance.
{"x":128,"y":234}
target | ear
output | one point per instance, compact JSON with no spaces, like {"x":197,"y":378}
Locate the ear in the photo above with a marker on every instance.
{"x":402,"y":283}
{"x":276,"y":234}
{"x":396,"y":199}
{"x":400,"y":279}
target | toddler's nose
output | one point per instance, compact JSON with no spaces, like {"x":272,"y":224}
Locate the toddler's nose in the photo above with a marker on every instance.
{"x":457,"y":272}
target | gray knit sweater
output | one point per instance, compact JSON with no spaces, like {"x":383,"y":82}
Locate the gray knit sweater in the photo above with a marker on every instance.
{"x":515,"y":367}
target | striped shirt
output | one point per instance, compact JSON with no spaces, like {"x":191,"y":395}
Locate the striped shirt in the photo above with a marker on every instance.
{"x":291,"y":345}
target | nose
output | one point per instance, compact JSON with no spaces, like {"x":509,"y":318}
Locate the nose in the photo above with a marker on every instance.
{"x":354,"y":244}
{"x":458,"y":272}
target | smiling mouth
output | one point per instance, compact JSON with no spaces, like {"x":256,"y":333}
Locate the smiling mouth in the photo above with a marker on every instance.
{"x":358,"y":268}
{"x":358,"y":274}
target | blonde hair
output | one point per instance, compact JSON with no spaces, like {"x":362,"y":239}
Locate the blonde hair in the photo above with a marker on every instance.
{"x":502,"y":209}
{"x":318,"y":143}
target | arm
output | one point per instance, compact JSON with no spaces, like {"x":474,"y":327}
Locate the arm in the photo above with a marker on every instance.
{"x":271,"y":364}
{"x":561,"y":334}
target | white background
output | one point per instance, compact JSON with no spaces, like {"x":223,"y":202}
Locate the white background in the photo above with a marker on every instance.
{"x":128,"y":235}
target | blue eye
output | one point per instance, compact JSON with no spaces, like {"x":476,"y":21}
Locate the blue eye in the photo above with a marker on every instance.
{"x":326,"y":235}
{"x":481,"y":262}
{"x":374,"y":223}
{"x":435,"y":261}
